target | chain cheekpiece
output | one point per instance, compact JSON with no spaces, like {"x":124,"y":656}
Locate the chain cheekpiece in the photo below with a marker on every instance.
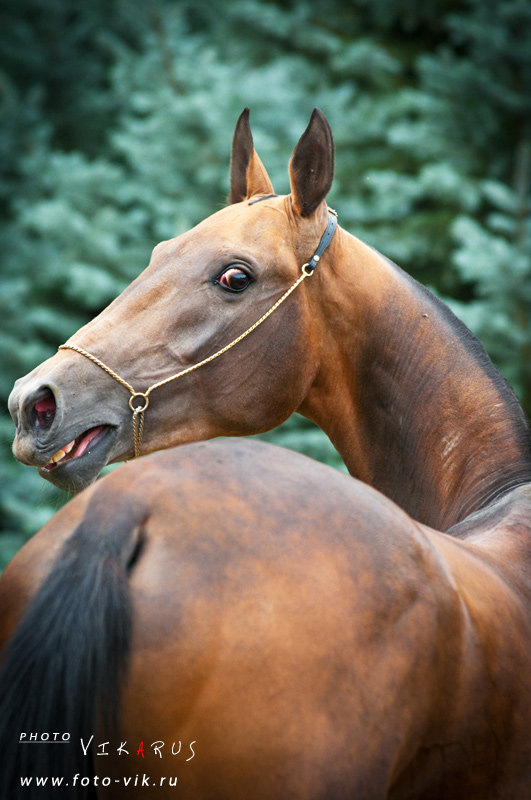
{"x":139,"y":401}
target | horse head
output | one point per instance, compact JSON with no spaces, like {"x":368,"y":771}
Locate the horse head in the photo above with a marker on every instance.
{"x":200,"y":291}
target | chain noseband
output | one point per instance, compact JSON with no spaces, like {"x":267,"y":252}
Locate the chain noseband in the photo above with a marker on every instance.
{"x":139,"y":401}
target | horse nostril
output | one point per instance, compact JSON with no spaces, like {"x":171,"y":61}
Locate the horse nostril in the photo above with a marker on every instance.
{"x":43,"y":411}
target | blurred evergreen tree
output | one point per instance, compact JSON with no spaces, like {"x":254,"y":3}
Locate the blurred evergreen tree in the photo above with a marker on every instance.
{"x":119,"y":117}
{"x":484,"y":83}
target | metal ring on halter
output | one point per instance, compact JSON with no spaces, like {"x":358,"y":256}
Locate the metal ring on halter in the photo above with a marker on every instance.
{"x":307,"y":270}
{"x":138,"y":409}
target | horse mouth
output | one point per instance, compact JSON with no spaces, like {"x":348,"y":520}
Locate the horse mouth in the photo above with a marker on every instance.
{"x":76,"y":448}
{"x":77,"y":463}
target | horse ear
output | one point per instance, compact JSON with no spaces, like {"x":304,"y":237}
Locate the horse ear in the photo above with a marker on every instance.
{"x":311,"y":168}
{"x":248,"y":175}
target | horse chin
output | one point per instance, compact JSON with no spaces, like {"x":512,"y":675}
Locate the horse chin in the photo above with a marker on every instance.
{"x":76,"y":473}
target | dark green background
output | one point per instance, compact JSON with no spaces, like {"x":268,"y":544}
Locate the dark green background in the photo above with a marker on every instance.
{"x":117,"y":119}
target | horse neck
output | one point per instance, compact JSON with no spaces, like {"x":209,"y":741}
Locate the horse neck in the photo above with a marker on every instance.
{"x":408,"y":395}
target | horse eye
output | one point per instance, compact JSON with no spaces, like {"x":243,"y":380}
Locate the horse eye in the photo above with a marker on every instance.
{"x":234,"y":279}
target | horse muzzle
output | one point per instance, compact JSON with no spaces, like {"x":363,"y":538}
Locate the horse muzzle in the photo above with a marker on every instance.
{"x":67,"y":428}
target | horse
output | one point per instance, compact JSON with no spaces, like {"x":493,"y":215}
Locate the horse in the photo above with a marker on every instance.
{"x":231,"y":620}
{"x":399,"y":703}
{"x":404,"y":391}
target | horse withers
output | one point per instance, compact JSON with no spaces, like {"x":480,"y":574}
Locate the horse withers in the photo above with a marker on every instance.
{"x":253,"y":624}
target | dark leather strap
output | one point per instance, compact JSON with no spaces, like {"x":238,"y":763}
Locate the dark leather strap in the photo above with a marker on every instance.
{"x":326,"y":238}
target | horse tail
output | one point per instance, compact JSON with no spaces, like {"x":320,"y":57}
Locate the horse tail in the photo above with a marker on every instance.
{"x":64,"y":665}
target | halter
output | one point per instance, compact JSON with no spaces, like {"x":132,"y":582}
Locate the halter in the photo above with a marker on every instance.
{"x":139,"y":401}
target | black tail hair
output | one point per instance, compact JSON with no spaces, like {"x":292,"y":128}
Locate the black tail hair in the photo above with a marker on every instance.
{"x":64,"y":665}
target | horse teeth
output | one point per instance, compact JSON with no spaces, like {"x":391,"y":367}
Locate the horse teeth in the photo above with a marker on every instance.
{"x":62,"y":452}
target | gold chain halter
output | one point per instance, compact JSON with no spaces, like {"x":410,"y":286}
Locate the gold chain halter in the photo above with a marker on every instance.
{"x":142,"y":398}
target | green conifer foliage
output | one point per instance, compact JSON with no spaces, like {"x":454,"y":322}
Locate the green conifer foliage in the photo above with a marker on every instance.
{"x":486,"y":83}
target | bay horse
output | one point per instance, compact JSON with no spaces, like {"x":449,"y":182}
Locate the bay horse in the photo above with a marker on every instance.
{"x":406,"y":394}
{"x":230,"y":620}
{"x":407,"y":647}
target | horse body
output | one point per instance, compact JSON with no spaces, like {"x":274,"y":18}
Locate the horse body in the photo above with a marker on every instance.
{"x":306,"y":634}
